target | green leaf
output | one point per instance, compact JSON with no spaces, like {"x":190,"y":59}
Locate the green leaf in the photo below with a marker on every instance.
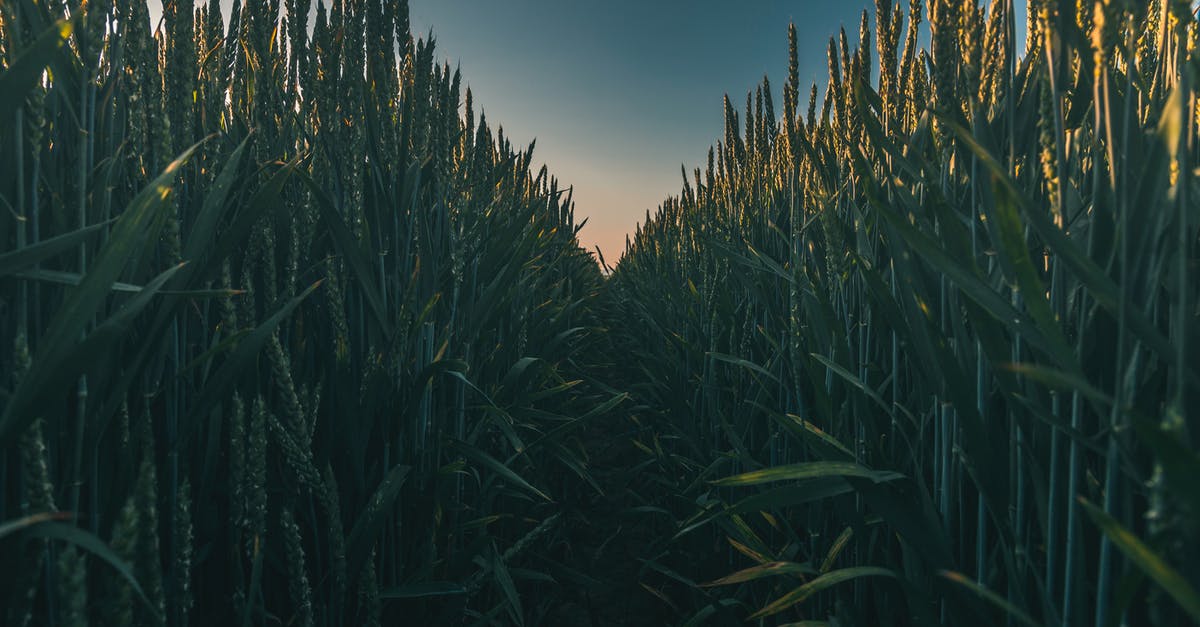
{"x":1011,"y":235}
{"x":990,"y":597}
{"x":359,"y":262}
{"x":71,"y":278}
{"x":504,"y":581}
{"x":776,"y":499}
{"x":1099,"y":285}
{"x":838,"y":545}
{"x":20,"y":524}
{"x":1150,"y":563}
{"x":90,"y":543}
{"x":970,"y":284}
{"x":231,"y":237}
{"x":826,"y":446}
{"x":57,"y":359}
{"x":854,"y":381}
{"x":1062,"y":380}
{"x":217,"y":388}
{"x":701,"y":617}
{"x":117,"y":325}
{"x":255,"y":582}
{"x":366,"y":529}
{"x":770,"y":569}
{"x":742,"y":363}
{"x":21,"y":258}
{"x":26,"y":69}
{"x":516,"y":374}
{"x":808,"y":470}
{"x":563,"y":429}
{"x":201,"y":234}
{"x":422,"y":590}
{"x":497,"y":467}
{"x":824,"y":582}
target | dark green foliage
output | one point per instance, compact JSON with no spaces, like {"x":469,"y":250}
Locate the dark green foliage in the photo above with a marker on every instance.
{"x":371,"y":353}
{"x":975,"y":278}
{"x":289,"y":339}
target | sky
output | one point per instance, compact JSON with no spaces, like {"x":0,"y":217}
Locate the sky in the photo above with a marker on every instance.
{"x":620,"y":94}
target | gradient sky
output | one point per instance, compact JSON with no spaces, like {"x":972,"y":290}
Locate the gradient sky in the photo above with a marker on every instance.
{"x":620,"y":93}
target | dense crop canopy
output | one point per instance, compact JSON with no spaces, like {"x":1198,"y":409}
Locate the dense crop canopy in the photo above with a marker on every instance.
{"x":292,"y":336}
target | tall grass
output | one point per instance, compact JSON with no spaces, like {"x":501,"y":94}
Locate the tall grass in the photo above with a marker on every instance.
{"x":925,"y":357}
{"x":292,"y":335}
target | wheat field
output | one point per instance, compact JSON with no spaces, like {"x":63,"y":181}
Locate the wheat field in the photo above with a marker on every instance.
{"x":293,"y":336}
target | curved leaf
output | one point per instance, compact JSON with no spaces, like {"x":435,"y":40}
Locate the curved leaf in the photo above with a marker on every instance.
{"x":990,"y":597}
{"x":771,"y":569}
{"x":56,"y":361}
{"x":1156,"y":567}
{"x":21,"y":258}
{"x":809,"y":470}
{"x":828,"y":580}
{"x":366,"y":529}
{"x":23,"y":74}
